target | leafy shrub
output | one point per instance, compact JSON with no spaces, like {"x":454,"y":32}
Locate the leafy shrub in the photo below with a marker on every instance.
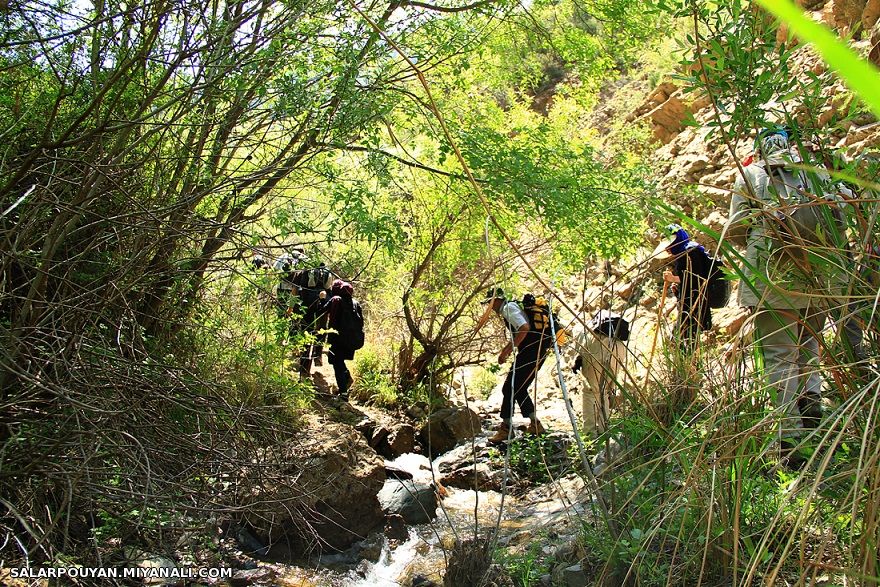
{"x":372,"y":381}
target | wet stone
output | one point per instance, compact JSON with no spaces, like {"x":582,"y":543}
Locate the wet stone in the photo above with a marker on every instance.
{"x":574,"y":576}
{"x":252,"y":576}
{"x":395,"y":527}
{"x":415,"y":502}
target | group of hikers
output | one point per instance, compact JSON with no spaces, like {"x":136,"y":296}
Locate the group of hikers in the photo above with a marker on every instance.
{"x":796,"y":273}
{"x":321,"y":308}
{"x":800,"y":255}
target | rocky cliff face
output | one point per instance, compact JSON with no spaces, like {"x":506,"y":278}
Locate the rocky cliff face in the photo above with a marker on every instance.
{"x":693,"y":159}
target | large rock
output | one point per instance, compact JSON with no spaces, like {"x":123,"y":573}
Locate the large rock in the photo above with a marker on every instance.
{"x":413,"y":501}
{"x":463,"y":468}
{"x":666,"y":109}
{"x":447,"y":427}
{"x":478,"y":477}
{"x":843,"y":15}
{"x":871,"y":14}
{"x":874,"y":53}
{"x":574,"y":576}
{"x":402,"y":440}
{"x":730,"y":320}
{"x":319,"y":490}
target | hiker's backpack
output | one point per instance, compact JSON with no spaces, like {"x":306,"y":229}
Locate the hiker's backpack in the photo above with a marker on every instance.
{"x":285,"y":295}
{"x":351,"y":324}
{"x":609,"y":324}
{"x":717,"y":287}
{"x":317,"y":277}
{"x":538,"y":311}
{"x":793,"y":216}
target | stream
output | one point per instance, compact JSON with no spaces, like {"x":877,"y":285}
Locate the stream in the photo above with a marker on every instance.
{"x":422,"y":553}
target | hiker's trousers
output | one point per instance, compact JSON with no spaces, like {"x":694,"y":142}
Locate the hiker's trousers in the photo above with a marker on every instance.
{"x":788,"y":341}
{"x":340,"y":370}
{"x":602,"y":360}
{"x":528,"y":361}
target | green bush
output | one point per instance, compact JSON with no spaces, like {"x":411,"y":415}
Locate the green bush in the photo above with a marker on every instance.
{"x":372,"y":379}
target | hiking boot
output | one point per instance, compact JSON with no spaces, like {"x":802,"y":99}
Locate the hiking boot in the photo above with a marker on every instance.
{"x":500,"y":435}
{"x":791,"y":457}
{"x":535,"y":428}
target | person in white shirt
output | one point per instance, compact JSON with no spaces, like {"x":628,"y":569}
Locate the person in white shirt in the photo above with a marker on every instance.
{"x":532,"y":346}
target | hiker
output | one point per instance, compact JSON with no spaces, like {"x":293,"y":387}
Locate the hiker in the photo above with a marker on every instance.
{"x":531,"y":345}
{"x":345,"y":319}
{"x":310,"y":283}
{"x":286,"y":298}
{"x":601,"y":356}
{"x":688,"y":278}
{"x":780,"y":287}
{"x":258,"y":262}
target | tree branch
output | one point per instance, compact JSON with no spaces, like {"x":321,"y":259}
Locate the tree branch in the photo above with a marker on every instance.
{"x":413,"y":164}
{"x":436,"y":8}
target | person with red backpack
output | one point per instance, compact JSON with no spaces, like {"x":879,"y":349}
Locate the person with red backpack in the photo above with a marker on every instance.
{"x":531,"y":345}
{"x":346,"y":323}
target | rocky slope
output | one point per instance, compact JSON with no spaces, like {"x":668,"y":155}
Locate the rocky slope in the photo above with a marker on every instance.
{"x":694,"y":157}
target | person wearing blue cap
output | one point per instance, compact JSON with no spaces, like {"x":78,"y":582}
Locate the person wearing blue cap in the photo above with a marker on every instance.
{"x":688,"y":276}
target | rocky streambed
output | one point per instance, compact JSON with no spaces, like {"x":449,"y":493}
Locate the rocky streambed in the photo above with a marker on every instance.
{"x":430,"y":505}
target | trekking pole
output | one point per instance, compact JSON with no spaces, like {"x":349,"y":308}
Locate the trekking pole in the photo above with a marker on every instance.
{"x":656,"y":331}
{"x":594,"y":484}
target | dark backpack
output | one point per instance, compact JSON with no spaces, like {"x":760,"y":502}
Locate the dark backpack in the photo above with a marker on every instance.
{"x":317,"y":278}
{"x":717,"y":287}
{"x":351,"y":323}
{"x":611,"y":325}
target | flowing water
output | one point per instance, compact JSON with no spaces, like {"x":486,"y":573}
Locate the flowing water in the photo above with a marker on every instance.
{"x":462,"y":513}
{"x":422,"y":553}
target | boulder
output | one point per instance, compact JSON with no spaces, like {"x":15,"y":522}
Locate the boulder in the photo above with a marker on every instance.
{"x":574,"y":576}
{"x":843,"y":15}
{"x":155,"y":563}
{"x":729,"y":320}
{"x":371,"y":548}
{"x":393,"y":440}
{"x":447,"y":427}
{"x":461,"y":468}
{"x":871,"y":14}
{"x":395,"y":528}
{"x":402,"y":440}
{"x":666,"y":111}
{"x":415,"y":502}
{"x":422,"y":581}
{"x":715,"y":222}
{"x":479,"y":477}
{"x":625,"y":290}
{"x":862,"y":138}
{"x":262,"y":575}
{"x":317,"y":490}
{"x":874,"y":53}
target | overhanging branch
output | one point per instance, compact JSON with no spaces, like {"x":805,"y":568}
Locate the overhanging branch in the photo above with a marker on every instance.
{"x":408,"y":163}
{"x":436,"y":8}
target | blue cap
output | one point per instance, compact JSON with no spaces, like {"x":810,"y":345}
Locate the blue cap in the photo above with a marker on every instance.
{"x":680,"y":239}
